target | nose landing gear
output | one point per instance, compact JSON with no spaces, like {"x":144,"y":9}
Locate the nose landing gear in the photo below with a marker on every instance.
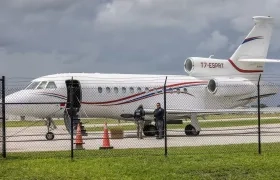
{"x":51,"y":126}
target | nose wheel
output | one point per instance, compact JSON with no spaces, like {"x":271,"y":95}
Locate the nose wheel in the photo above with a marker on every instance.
{"x":49,"y":136}
{"x":50,"y":126}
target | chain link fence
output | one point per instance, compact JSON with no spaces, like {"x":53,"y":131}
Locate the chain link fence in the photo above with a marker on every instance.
{"x":199,"y":114}
{"x":1,"y":120}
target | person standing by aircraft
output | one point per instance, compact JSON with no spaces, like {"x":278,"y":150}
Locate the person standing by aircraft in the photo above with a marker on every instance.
{"x":139,"y":114}
{"x":158,"y":114}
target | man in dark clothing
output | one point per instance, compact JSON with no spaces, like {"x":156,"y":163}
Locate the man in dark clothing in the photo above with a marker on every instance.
{"x":158,"y":114}
{"x":139,"y":114}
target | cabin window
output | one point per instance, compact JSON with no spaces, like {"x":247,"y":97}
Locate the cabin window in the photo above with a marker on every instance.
{"x":123,"y":89}
{"x":159,"y":91}
{"x":116,"y":90}
{"x":146,"y":90}
{"x":185,"y":90}
{"x":100,"y":89}
{"x":33,"y":85}
{"x":131,"y":90}
{"x":178,"y":90}
{"x":42,"y":85}
{"x":108,"y":90}
{"x":139,"y":90}
{"x":51,"y":85}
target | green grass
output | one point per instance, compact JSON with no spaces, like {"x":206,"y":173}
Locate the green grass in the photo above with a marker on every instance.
{"x":229,"y":123}
{"x":212,"y":162}
{"x":26,"y":123}
{"x":240,"y":115}
{"x":203,"y":124}
{"x":31,"y":123}
{"x":233,"y":121}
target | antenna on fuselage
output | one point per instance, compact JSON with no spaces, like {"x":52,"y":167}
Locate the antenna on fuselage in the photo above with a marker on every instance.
{"x":211,"y":56}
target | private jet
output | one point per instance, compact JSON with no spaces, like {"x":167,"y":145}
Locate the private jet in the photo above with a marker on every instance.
{"x":210,"y":86}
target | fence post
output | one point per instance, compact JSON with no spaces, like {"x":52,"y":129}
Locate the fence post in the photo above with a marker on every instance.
{"x":259,"y":117}
{"x":72,"y":111}
{"x":165,"y":131}
{"x":3,"y":119}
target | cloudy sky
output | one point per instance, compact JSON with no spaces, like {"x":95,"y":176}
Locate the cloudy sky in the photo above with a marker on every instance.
{"x":40,"y":37}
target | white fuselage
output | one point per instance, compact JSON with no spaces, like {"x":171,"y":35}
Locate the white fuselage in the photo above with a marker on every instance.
{"x":111,"y":95}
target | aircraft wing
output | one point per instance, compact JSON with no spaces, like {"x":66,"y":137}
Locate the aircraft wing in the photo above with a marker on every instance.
{"x":187,"y":112}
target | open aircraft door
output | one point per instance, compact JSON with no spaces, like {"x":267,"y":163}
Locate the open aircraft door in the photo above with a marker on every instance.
{"x":76,"y":95}
{"x":77,"y":98}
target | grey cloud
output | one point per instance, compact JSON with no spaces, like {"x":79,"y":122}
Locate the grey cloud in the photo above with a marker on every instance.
{"x":216,"y":42}
{"x":118,"y":36}
{"x":39,"y":6}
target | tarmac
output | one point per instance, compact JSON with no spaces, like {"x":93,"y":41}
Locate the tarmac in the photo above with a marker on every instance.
{"x":33,"y":139}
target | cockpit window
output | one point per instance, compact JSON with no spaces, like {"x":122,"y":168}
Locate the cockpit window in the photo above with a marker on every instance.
{"x":33,"y":85}
{"x":51,"y":85}
{"x":42,"y":85}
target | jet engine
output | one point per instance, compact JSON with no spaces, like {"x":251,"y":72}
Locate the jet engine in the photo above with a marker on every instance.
{"x":198,"y":66}
{"x":230,"y":86}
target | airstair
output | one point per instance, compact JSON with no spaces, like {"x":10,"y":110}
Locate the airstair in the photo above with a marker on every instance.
{"x":76,"y":121}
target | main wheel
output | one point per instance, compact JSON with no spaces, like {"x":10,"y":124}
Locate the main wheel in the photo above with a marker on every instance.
{"x":191,"y":131}
{"x":49,"y":136}
{"x":149,"y":130}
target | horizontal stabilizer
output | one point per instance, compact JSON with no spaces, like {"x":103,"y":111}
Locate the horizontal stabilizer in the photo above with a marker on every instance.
{"x":259,"y":60}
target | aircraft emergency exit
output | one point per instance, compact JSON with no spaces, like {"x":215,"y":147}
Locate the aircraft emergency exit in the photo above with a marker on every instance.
{"x":213,"y":85}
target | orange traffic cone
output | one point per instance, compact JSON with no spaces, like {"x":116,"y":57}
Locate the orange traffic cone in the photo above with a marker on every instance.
{"x":106,"y":141}
{"x":79,"y":140}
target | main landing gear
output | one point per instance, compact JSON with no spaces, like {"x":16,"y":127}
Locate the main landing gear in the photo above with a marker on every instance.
{"x":149,"y":130}
{"x":51,"y":126}
{"x":192,"y":129}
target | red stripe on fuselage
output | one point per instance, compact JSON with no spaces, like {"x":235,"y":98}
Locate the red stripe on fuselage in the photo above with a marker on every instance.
{"x":244,"y":70}
{"x":125,"y":98}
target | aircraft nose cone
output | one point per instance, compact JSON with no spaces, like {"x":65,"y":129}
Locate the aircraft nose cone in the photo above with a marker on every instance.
{"x":12,"y":98}
{"x":13,"y":103}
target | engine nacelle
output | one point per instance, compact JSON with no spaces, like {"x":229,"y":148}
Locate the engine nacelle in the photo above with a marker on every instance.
{"x":230,"y":86}
{"x":197,"y":66}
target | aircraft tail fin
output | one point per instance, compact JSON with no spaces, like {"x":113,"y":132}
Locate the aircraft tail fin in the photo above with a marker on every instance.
{"x":251,"y":55}
{"x":257,"y":42}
